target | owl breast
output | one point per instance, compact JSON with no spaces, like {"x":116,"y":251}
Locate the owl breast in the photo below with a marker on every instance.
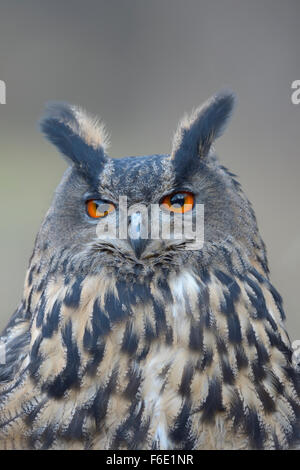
{"x":153,"y":364}
{"x":163,"y":384}
{"x":154,"y":351}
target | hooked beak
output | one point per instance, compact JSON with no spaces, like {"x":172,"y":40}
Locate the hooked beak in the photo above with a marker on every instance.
{"x":136,"y":237}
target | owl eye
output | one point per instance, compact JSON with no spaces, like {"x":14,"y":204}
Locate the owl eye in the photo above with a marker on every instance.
{"x":179,"y":202}
{"x":96,"y":208}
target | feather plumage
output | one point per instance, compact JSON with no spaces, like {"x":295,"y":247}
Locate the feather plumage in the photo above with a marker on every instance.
{"x":179,"y":349}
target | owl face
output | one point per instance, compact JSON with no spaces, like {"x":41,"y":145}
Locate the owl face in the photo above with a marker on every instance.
{"x":124,"y":212}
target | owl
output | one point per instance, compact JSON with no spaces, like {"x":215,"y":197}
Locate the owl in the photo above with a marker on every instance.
{"x":130,"y":339}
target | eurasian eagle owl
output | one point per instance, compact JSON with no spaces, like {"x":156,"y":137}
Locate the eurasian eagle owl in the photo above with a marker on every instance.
{"x":143,"y":342}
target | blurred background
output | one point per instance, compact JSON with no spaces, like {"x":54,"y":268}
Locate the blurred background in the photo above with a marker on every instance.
{"x":140,"y":65}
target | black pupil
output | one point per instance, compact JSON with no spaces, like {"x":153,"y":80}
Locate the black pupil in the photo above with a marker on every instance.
{"x":177,"y":200}
{"x":102,"y":207}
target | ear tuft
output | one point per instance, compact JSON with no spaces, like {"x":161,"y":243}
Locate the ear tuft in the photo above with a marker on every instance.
{"x":90,"y":129}
{"x":195,"y":134}
{"x":81,"y":138}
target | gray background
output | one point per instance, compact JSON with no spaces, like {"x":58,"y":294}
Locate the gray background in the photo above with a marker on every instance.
{"x":141,"y":64}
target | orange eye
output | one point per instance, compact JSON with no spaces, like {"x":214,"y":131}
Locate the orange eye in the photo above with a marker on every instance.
{"x":96,"y":208}
{"x":180,"y":202}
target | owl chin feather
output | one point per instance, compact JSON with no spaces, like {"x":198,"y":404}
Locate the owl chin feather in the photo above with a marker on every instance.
{"x":147,"y":345}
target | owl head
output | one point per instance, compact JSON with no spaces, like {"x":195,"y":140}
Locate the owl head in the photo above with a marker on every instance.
{"x":104,"y":207}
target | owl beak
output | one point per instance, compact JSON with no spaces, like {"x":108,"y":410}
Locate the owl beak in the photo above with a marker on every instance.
{"x":135,"y":234}
{"x":138,"y":246}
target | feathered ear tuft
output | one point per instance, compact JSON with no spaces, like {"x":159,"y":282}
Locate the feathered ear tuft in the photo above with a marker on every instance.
{"x":80,"y":138}
{"x":195,"y":134}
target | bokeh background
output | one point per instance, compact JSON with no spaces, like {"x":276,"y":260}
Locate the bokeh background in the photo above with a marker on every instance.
{"x":141,"y":64}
